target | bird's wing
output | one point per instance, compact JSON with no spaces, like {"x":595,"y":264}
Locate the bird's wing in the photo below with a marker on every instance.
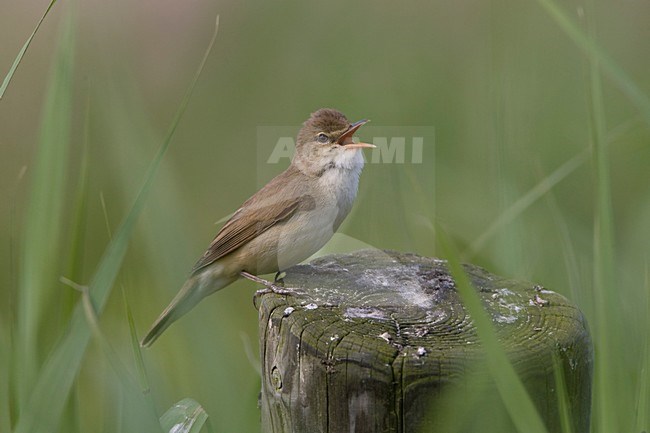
{"x":246,"y":224}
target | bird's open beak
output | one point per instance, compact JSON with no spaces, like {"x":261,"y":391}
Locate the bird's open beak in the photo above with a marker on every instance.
{"x":346,"y":138}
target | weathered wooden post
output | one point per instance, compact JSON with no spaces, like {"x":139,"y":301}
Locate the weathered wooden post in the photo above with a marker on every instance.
{"x":376,"y":340}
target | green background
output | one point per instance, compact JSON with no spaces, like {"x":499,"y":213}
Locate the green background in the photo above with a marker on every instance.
{"x":505,"y":98}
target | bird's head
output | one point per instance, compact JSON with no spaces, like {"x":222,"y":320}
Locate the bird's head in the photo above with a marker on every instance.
{"x":325,"y":141}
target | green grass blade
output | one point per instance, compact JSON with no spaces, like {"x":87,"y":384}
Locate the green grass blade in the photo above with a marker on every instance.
{"x":75,"y":261}
{"x":568,"y":249}
{"x":76,"y":255}
{"x":542,"y":188}
{"x":605,"y":366}
{"x":21,"y":53}
{"x":186,"y":416}
{"x":643,"y":400}
{"x":44,"y":408}
{"x":518,"y":403}
{"x":610,"y":67}
{"x":5,"y":362}
{"x":41,"y":248}
{"x":92,"y":320}
{"x":562,"y":395}
{"x":138,"y":403}
{"x":135,"y":346}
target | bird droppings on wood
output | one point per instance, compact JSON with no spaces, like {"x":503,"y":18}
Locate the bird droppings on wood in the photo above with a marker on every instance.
{"x":538,"y":301}
{"x":420,"y":331}
{"x":386,"y":337}
{"x":365,"y":313}
{"x":505,"y":319}
{"x":408,"y":288}
{"x":287,"y":311}
{"x":508,"y":305}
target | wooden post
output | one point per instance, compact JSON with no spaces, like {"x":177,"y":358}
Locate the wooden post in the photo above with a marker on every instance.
{"x":378,"y":341}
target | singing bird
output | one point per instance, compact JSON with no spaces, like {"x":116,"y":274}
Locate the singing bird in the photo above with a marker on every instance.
{"x":286,"y":221}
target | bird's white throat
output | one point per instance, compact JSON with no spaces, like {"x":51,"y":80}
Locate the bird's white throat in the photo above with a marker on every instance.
{"x":342,"y":174}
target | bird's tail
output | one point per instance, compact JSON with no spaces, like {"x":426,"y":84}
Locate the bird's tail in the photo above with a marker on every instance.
{"x":195,"y":288}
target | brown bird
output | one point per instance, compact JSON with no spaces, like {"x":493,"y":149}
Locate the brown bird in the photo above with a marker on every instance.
{"x":286,"y":221}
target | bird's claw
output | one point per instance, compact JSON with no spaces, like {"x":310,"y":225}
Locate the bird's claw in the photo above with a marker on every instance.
{"x":275,"y":289}
{"x":279,"y":277}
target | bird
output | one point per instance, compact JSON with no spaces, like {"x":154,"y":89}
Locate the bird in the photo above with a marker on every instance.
{"x":286,"y":221}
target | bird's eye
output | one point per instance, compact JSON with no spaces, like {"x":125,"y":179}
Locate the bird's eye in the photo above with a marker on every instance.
{"x":323,"y":138}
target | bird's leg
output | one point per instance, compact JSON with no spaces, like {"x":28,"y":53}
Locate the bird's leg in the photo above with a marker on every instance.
{"x":255,"y":278}
{"x":270,"y":287}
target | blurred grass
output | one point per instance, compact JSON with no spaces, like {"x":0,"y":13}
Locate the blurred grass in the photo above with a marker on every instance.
{"x":41,"y":242}
{"x":186,"y":416}
{"x":5,"y":381}
{"x":518,"y":403}
{"x":606,"y":329}
{"x":587,"y":42}
{"x":524,"y":202}
{"x":41,"y":403}
{"x":563,"y":395}
{"x":23,"y":50}
{"x":643,"y":398}
{"x":501,"y":83}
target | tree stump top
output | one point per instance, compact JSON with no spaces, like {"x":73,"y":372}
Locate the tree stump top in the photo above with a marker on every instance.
{"x":416,"y":297}
{"x":391,"y":326}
